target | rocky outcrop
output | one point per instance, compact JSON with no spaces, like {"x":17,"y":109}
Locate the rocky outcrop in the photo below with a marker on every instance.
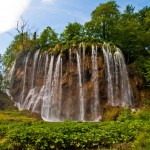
{"x":74,"y":86}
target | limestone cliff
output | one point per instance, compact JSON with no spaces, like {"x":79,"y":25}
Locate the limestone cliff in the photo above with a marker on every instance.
{"x":73,"y":86}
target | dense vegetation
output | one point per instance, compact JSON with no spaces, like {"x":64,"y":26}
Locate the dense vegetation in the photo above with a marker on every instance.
{"x":129,"y":131}
{"x":120,"y":128}
{"x":129,"y":30}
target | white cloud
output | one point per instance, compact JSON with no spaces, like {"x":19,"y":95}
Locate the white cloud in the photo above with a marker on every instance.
{"x":10,"y":12}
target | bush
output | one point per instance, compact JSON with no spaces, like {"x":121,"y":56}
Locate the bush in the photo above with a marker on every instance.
{"x":125,"y":114}
{"x":27,"y":133}
{"x":142,"y":141}
{"x":142,"y":114}
{"x":71,"y":135}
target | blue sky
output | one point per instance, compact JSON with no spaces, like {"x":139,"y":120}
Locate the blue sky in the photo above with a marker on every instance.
{"x":54,"y":13}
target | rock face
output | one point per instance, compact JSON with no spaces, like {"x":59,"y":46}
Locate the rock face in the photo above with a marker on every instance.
{"x":75,"y":86}
{"x":5,"y":102}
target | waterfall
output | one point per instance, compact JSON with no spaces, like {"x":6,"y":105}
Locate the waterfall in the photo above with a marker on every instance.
{"x":126,"y":92}
{"x":73,"y":87}
{"x":109,"y":67}
{"x":95,"y":106}
{"x":81,"y":96}
{"x":34,"y":67}
{"x":51,"y":107}
{"x":84,"y":77}
{"x":29,"y":100}
{"x":9,"y":78}
{"x":46,"y":66}
{"x":20,"y":104}
{"x":42,"y":90}
{"x":118,"y":87}
{"x":55,"y":104}
{"x":70,"y":80}
{"x":60,"y":89}
{"x":47,"y":92}
{"x":11,"y":71}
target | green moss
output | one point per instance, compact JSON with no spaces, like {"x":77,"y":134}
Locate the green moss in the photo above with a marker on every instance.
{"x":5,"y":102}
{"x":111,"y":113}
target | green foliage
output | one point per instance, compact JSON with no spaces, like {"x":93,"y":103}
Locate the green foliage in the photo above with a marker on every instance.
{"x":142,"y":114}
{"x":9,"y":56}
{"x":48,"y":38}
{"x":70,"y":135}
{"x":143,"y":65}
{"x":5,"y":102}
{"x":72,"y":34}
{"x":142,"y":141}
{"x":124,"y":30}
{"x":15,"y":48}
{"x":111,"y":113}
{"x":146,"y":102}
{"x":104,"y":20}
{"x":125,"y":114}
{"x":19,"y":131}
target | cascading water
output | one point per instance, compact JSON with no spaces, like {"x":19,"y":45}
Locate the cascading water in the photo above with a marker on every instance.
{"x":96,"y":101}
{"x":61,"y":89}
{"x":55,"y":105}
{"x":9,"y":78}
{"x":119,"y":90}
{"x":109,"y":67}
{"x":11,"y":71}
{"x":42,"y":90}
{"x":20,"y":104}
{"x":29,"y":100}
{"x":126,"y":92}
{"x":70,"y":79}
{"x":47,"y":92}
{"x":81,"y":96}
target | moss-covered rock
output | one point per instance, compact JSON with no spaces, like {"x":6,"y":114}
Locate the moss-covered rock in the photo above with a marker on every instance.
{"x":6,"y":102}
{"x":111,"y":113}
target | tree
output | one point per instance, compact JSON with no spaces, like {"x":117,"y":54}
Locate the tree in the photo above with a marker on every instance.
{"x":73,"y":32}
{"x":142,"y":61}
{"x":144,"y":20}
{"x":22,"y":29}
{"x":144,"y":16}
{"x":9,"y":56}
{"x":104,"y":19}
{"x":129,"y":31}
{"x":22,"y":41}
{"x":129,"y":11}
{"x":92,"y":29}
{"x":15,"y":48}
{"x":48,"y":38}
{"x":4,"y":84}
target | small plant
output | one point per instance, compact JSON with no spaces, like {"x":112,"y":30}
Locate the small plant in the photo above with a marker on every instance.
{"x":142,"y":141}
{"x":125,"y":114}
